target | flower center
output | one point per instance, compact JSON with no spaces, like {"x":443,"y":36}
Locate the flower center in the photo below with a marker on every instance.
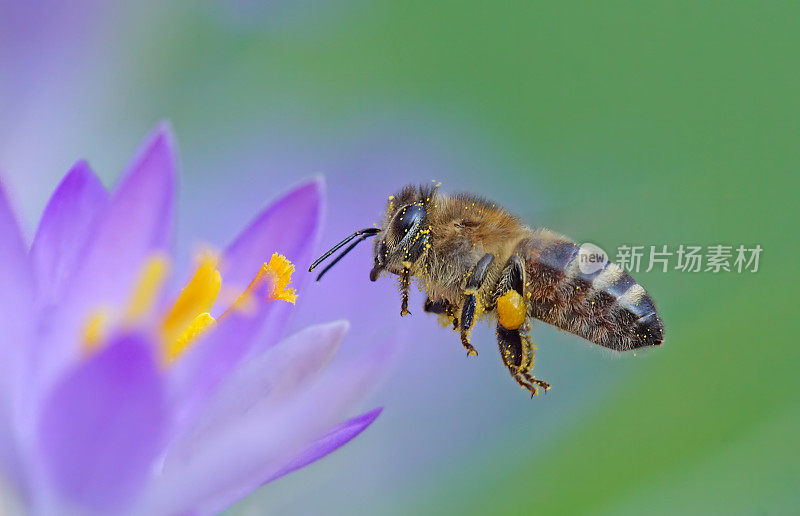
{"x":189,"y":316}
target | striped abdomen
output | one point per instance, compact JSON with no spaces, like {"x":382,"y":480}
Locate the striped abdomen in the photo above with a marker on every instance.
{"x":606,"y":307}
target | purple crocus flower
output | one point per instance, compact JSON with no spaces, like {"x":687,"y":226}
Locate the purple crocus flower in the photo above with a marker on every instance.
{"x":119,"y":396}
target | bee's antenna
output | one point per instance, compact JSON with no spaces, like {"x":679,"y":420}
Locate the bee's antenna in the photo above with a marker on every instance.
{"x":347,"y":250}
{"x":363,"y":233}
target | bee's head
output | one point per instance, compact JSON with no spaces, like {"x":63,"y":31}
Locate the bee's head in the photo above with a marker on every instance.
{"x":403,"y":235}
{"x":404,"y":232}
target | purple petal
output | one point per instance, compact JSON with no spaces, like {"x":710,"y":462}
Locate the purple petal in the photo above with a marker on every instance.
{"x":330,"y":442}
{"x":135,"y":224}
{"x":258,"y":444}
{"x":16,"y":319}
{"x":289,"y":226}
{"x":138,"y":221}
{"x":103,"y":425}
{"x":16,"y":287}
{"x":278,"y":372}
{"x":64,"y":229}
{"x":196,"y":376}
{"x":334,"y":439}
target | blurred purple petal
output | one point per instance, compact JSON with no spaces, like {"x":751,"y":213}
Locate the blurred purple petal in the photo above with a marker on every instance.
{"x":289,"y":226}
{"x":16,"y":287}
{"x":138,"y":220}
{"x":197,"y":375}
{"x":103,"y":425}
{"x":330,"y":442}
{"x":16,"y":316}
{"x":136,"y":223}
{"x":259,"y":443}
{"x":65,"y":227}
{"x":277,"y":373}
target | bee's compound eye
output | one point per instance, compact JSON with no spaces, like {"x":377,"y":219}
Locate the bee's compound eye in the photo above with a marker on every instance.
{"x":406,"y":218}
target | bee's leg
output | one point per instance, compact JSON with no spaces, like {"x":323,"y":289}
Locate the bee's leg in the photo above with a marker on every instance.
{"x":405,"y":285}
{"x":417,"y":249}
{"x":528,"y":349}
{"x":516,"y":347}
{"x":511,"y":351}
{"x":443,"y":309}
{"x":470,"y":303}
{"x":438,"y":307}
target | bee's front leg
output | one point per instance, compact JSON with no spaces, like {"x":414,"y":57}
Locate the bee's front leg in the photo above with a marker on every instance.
{"x":469,"y":305}
{"x":405,"y":285}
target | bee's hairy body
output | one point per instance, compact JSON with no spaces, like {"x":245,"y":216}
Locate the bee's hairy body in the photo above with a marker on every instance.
{"x":475,"y":259}
{"x":463,"y":229}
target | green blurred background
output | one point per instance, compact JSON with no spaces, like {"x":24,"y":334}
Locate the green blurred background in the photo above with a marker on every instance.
{"x":643,"y":123}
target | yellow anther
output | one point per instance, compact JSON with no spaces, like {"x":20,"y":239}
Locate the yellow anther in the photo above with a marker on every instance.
{"x":197,"y":297}
{"x":145,"y":295}
{"x":199,"y":326}
{"x":95,"y":331}
{"x":279,"y":274}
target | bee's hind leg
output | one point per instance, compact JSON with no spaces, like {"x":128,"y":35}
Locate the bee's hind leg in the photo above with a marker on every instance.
{"x":469,"y":305}
{"x":528,"y":349}
{"x":516,"y":347}
{"x":516,"y":350}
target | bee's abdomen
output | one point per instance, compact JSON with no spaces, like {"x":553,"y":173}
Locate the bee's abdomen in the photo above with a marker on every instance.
{"x":606,"y":307}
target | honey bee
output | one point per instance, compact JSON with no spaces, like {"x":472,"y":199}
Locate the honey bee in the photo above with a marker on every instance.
{"x":476,"y":260}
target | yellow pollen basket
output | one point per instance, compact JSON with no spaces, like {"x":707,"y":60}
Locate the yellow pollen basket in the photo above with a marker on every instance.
{"x":511,"y":310}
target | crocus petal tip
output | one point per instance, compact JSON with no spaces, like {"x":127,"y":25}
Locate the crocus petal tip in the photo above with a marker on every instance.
{"x":164,"y":130}
{"x":313,"y":187}
{"x":161,"y":140}
{"x":80,"y":173}
{"x":339,"y":326}
{"x":319,"y":181}
{"x":372,"y":415}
